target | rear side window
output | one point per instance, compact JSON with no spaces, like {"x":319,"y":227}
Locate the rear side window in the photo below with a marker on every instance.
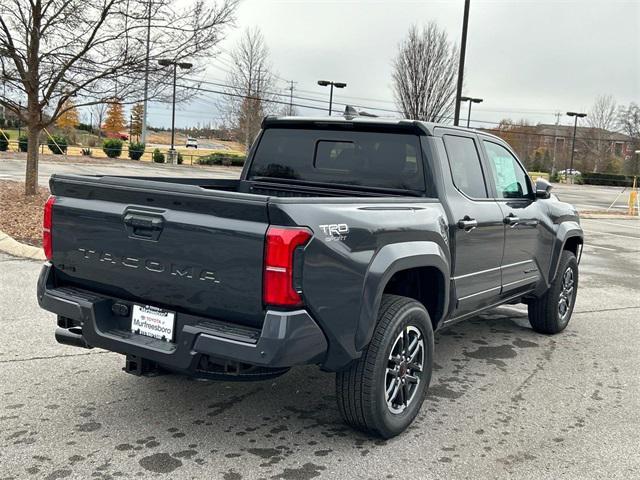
{"x":466,"y":169}
{"x":369,"y":159}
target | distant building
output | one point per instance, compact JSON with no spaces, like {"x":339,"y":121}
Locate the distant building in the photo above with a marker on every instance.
{"x":618,"y":144}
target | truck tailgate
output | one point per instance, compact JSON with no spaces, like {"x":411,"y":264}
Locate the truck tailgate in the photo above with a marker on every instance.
{"x":163,"y":244}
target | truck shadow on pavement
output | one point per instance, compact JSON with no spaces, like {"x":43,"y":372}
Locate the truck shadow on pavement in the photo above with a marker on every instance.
{"x":172,"y":422}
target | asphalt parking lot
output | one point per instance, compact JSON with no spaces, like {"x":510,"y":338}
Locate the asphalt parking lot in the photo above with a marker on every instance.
{"x":505,"y":402}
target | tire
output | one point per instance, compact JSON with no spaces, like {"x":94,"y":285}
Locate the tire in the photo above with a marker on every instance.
{"x":551,"y":313}
{"x":364,"y":389}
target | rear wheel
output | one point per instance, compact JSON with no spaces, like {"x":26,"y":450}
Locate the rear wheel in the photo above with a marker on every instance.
{"x":551,"y":312}
{"x":381,"y":393}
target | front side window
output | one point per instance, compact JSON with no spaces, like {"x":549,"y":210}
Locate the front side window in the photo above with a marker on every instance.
{"x":465,"y":166}
{"x":511,"y":180}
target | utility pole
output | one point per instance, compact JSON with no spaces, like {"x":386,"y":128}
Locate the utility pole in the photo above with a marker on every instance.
{"x":555,"y":143}
{"x":146,"y":77}
{"x":291,"y":98}
{"x":463,"y":50}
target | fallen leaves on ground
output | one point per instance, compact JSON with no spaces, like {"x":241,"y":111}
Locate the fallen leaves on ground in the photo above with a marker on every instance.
{"x":21,"y":216}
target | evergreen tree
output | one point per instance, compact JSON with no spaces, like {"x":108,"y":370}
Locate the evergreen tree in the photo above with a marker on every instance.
{"x":114,"y":122}
{"x":69,"y":119}
{"x":137,"y":114}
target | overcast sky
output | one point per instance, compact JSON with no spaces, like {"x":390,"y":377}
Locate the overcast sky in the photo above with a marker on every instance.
{"x":526,"y":59}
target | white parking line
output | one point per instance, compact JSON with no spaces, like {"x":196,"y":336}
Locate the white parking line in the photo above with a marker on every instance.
{"x":602,"y":248}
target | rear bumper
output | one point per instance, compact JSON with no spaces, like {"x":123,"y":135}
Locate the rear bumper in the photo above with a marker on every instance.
{"x":286,"y":338}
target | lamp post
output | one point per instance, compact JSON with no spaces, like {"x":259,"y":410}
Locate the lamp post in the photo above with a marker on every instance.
{"x":573,"y":144}
{"x":326,"y":83}
{"x":471,"y":101}
{"x":463,"y":49}
{"x":173,"y":157}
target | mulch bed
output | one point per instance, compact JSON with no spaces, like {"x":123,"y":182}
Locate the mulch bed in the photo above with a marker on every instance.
{"x":20,"y":216}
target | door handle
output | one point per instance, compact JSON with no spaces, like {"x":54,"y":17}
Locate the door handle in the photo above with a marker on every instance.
{"x":467,"y":224}
{"x":511,"y":220}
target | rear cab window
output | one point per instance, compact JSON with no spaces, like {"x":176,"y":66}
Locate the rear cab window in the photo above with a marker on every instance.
{"x":343,"y":157}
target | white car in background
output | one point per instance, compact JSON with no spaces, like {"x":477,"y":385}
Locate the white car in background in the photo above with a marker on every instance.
{"x":191,"y":142}
{"x":569,"y":172}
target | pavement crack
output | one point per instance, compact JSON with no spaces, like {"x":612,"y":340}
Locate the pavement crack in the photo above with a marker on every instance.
{"x":52,"y":356}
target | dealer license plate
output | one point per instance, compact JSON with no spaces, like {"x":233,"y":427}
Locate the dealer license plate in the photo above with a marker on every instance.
{"x":153,"y":322}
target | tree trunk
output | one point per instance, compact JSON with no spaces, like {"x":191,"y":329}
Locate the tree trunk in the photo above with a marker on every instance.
{"x":31,"y":177}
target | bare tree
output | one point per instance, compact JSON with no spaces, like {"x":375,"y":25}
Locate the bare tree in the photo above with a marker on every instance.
{"x":602,"y":119}
{"x":52,"y":50}
{"x":99,"y":112}
{"x":251,"y":85}
{"x":424,"y":74}
{"x":628,"y":122}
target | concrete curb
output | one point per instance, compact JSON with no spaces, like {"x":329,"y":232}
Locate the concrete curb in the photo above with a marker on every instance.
{"x":17,"y":249}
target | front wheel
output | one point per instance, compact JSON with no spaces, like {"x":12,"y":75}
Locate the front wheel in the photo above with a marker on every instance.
{"x":551,"y":313}
{"x":382,"y":392}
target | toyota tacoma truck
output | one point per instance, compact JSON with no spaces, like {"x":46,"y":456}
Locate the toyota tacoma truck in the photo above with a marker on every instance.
{"x":346,"y":243}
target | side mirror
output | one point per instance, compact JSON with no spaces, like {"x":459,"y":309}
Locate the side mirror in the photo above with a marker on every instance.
{"x":543,"y":188}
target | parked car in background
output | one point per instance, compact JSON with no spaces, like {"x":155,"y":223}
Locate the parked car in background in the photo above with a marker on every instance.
{"x":344,"y":244}
{"x":120,"y":136}
{"x":191,"y":143}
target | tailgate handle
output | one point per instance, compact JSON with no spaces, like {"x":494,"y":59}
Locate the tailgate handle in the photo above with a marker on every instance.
{"x":141,"y":226}
{"x":143,"y":222}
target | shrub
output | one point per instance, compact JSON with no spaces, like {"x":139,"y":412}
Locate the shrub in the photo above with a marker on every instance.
{"x":136,"y":150}
{"x":555,"y":178}
{"x":222,"y":159}
{"x":86,"y":152}
{"x":180,"y":159}
{"x":2,"y":122}
{"x":158,"y":156}
{"x":92,"y":141}
{"x":592,"y":178}
{"x":4,"y":142}
{"x":112,"y":147}
{"x":57,"y":144}
{"x":578,"y":180}
{"x":23,"y":143}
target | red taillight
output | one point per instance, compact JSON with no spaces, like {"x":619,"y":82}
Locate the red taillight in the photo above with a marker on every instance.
{"x":47,"y":226}
{"x":278,"y":265}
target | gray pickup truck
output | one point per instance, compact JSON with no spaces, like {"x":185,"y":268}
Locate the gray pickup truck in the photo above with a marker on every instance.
{"x":345,"y":243}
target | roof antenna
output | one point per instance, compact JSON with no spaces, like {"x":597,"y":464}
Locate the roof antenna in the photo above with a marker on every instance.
{"x":350,"y":113}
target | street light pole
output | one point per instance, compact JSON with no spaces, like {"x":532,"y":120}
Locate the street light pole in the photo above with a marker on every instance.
{"x":325,"y":83}
{"x":173,"y":108}
{"x":145,"y":100}
{"x":471,"y":101}
{"x":463,"y":50}
{"x":573,"y":144}
{"x":184,"y":65}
